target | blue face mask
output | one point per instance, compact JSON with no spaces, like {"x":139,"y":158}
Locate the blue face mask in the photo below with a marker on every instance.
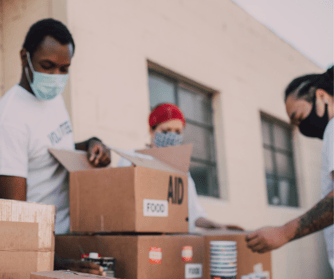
{"x":45,"y":86}
{"x":167,"y":139}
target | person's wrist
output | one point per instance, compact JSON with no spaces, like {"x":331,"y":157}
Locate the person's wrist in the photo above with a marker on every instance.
{"x":288,"y":231}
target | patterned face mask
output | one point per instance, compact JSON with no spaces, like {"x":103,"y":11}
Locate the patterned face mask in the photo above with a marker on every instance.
{"x":167,"y":139}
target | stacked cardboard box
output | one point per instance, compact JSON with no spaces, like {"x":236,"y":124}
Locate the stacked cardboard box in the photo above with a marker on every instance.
{"x":142,"y":256}
{"x":132,"y":203}
{"x":26,"y":238}
{"x":151,"y":196}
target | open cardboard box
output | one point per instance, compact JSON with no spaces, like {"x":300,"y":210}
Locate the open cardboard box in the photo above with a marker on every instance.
{"x":149,"y":196}
{"x":141,"y":256}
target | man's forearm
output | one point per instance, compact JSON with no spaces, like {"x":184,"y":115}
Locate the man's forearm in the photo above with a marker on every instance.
{"x":316,"y":219}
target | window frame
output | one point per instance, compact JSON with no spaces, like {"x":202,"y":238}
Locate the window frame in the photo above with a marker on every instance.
{"x":272,"y":121}
{"x":181,"y":82}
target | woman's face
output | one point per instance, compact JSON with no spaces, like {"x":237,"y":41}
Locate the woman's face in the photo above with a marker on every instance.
{"x":299,"y":109}
{"x":174,"y":125}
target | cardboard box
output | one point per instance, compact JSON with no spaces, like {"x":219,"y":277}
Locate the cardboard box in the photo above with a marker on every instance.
{"x":141,"y":256}
{"x":149,"y":196}
{"x":247,"y":261}
{"x":26,"y":238}
{"x":63,"y":274}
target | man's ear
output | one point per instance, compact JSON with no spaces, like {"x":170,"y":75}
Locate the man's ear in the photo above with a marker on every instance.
{"x":24,"y":57}
{"x":322,"y":95}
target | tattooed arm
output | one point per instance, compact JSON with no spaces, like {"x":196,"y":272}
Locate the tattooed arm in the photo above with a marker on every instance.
{"x":316,"y":219}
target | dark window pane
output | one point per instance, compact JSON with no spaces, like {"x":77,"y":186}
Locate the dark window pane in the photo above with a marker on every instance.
{"x":269,"y":161}
{"x":293,"y":195}
{"x":284,"y":165}
{"x":202,"y":139}
{"x":266,"y":132}
{"x":282,"y":138}
{"x":205,"y":179}
{"x":161,"y":90}
{"x":195,"y":106}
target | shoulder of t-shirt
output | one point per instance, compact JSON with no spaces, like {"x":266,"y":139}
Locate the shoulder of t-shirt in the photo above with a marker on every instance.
{"x":329,"y":132}
{"x":13,"y":105}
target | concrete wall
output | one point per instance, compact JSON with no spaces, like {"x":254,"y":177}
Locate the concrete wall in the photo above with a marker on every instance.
{"x":217,"y":44}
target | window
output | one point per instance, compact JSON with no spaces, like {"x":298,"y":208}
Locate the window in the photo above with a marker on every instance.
{"x":279,"y":166}
{"x":197,"y":108}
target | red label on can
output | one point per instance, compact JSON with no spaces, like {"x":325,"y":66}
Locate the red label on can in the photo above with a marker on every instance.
{"x":155,"y":255}
{"x":187,"y":253}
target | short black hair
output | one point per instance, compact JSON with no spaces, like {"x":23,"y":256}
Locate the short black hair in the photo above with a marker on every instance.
{"x":47,"y":27}
{"x":304,"y":87}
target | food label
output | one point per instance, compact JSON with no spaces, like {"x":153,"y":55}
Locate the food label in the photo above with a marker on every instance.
{"x":155,"y":208}
{"x":155,"y":255}
{"x":187,"y":253}
{"x":193,"y":271}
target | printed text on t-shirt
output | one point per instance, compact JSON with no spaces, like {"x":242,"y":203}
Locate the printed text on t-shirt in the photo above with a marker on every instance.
{"x":57,"y":135}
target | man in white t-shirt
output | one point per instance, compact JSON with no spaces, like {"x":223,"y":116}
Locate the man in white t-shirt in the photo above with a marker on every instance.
{"x":33,"y":118}
{"x":309,"y":103}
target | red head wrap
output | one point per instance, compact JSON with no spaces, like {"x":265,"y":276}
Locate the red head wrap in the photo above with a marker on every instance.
{"x":165,"y":112}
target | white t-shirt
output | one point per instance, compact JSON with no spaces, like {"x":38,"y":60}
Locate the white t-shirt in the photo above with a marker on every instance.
{"x":327,"y":176}
{"x":195,"y":209}
{"x":28,"y":127}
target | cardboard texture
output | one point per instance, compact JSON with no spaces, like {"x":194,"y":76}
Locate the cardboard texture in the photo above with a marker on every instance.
{"x":141,"y":256}
{"x":149,"y":196}
{"x":246,"y":259}
{"x":63,"y":274}
{"x":26,"y":238}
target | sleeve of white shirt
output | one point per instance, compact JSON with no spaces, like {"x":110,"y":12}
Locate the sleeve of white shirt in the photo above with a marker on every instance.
{"x":329,"y":149}
{"x":195,"y":209}
{"x":13,"y":151}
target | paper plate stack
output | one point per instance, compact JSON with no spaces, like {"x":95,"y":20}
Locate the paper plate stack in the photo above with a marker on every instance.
{"x":223,"y":259}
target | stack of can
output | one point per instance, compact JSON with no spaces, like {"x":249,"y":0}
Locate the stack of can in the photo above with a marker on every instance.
{"x":223,"y":259}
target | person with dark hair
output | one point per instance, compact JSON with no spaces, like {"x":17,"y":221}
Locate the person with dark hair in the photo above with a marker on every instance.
{"x":309,"y":102}
{"x":167,"y":123}
{"x":33,"y":118}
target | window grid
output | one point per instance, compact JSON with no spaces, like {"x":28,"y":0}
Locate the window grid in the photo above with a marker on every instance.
{"x":212,"y":188}
{"x":276,"y":176}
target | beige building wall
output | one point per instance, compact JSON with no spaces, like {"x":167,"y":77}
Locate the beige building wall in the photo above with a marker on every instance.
{"x":217,"y":44}
{"x":214,"y":43}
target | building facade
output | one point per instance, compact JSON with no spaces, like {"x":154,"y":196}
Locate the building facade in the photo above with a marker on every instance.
{"x":224,"y":69}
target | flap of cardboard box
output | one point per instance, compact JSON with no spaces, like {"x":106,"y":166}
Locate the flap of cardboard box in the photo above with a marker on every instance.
{"x":152,"y":163}
{"x":72,"y":160}
{"x":178,"y":157}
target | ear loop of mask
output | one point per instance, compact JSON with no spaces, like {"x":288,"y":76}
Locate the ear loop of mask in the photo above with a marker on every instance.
{"x":31,"y":69}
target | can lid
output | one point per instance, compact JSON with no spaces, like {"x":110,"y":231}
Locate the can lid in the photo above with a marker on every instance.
{"x":94,"y":255}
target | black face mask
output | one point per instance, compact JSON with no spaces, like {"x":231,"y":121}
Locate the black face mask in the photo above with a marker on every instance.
{"x":314,"y":126}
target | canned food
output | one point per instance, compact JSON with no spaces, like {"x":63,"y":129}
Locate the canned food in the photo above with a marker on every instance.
{"x":108,"y":263}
